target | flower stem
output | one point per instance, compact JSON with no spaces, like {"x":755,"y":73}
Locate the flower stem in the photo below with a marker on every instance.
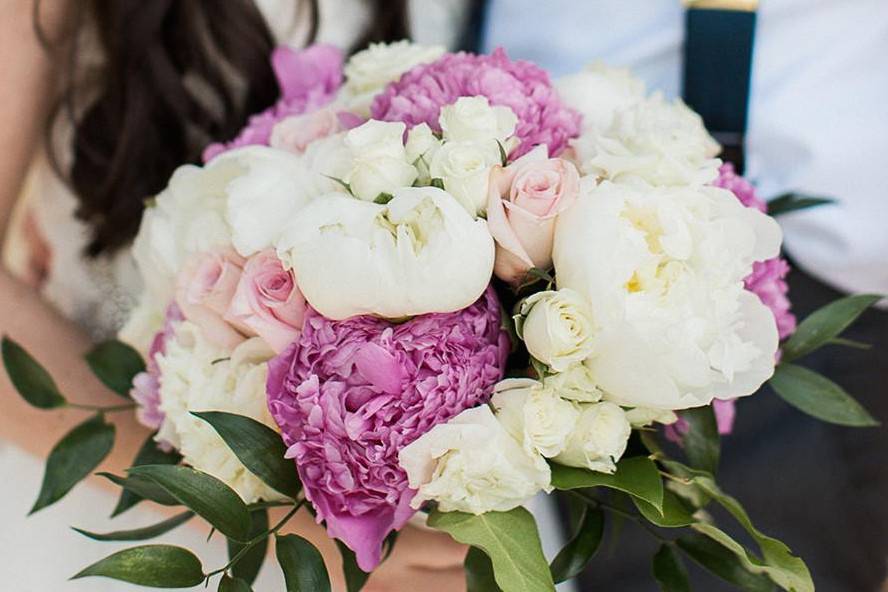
{"x":621,"y":512}
{"x":99,"y":408}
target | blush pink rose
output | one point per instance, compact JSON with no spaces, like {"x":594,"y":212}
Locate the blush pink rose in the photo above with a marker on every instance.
{"x":268,"y":302}
{"x":524,"y":200}
{"x":296,"y":132}
{"x":204,"y":291}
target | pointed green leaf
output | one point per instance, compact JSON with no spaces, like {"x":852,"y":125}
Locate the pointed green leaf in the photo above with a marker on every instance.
{"x":674,"y":514}
{"x":206,"y":495}
{"x":355,"y":577}
{"x":248,"y":566}
{"x":825,"y":324}
{"x":575,"y":555}
{"x":149,"y":454}
{"x":144,"y":488}
{"x":73,"y":458}
{"x":790,"y":202}
{"x":29,"y":378}
{"x":156,"y":566}
{"x":302,"y":564}
{"x":479,"y":572}
{"x":669,"y":571}
{"x":511,"y":541}
{"x":229,"y":584}
{"x":818,"y":396}
{"x":258,"y":447}
{"x":722,"y":563}
{"x":637,"y":476}
{"x":140,"y":534}
{"x":115,"y":364}
{"x":702,"y":444}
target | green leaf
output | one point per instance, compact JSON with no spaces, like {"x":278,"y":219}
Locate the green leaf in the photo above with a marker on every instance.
{"x":669,"y":571}
{"x":115,"y":364}
{"x":437,"y":182}
{"x":701,"y":443}
{"x":140,"y":534}
{"x":723,"y":563}
{"x":790,"y":202}
{"x":355,"y":577}
{"x":207,"y":496}
{"x":248,"y":566}
{"x":825,"y":324}
{"x":818,"y":396}
{"x":383,"y":198}
{"x":674,"y":515}
{"x":302,"y":564}
{"x":573,"y":557}
{"x":229,"y":584}
{"x":511,"y":541}
{"x":142,"y":487}
{"x":504,"y":160}
{"x":258,"y":447}
{"x":29,"y":378}
{"x":73,"y":458}
{"x":479,"y":572}
{"x":637,"y":476}
{"x":156,"y":566}
{"x":149,"y":454}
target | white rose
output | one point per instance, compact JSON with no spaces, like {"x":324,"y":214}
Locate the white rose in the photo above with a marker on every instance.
{"x":534,"y":415}
{"x":663,"y":269}
{"x":557,"y":328}
{"x":660,"y":142}
{"x":197,"y":376}
{"x":575,"y":383}
{"x":645,"y":416}
{"x":368,"y":72}
{"x":598,"y":92}
{"x":472,"y":464}
{"x":599,"y":438}
{"x":473,"y":119}
{"x":465,"y":169}
{"x":419,"y":253}
{"x":379,"y":159}
{"x":421,"y":147}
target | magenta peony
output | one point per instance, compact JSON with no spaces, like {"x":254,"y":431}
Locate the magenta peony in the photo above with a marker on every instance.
{"x":308,"y":80}
{"x":348,"y":395}
{"x":522,"y":86}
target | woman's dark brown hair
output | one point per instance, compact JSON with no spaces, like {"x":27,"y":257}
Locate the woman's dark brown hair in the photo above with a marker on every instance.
{"x":176,"y":75}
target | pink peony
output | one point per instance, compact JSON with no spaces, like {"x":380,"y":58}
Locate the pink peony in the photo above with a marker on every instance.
{"x":308,"y":80}
{"x":524,"y":87}
{"x":349,"y":395}
{"x":725,"y":410}
{"x":146,"y":385}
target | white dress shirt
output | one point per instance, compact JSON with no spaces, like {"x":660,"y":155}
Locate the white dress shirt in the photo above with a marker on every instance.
{"x":818,"y":121}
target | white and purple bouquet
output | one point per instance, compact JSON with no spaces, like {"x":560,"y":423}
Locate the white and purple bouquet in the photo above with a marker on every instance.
{"x":427,"y":286}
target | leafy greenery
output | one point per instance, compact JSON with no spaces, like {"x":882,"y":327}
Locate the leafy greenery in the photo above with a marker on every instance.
{"x":250,"y":562}
{"x":790,"y":202}
{"x":637,"y":476}
{"x":669,"y":571}
{"x":142,"y":487}
{"x":160,"y":566}
{"x":149,"y":454}
{"x":258,"y":447}
{"x":115,"y":364}
{"x":723,"y":563}
{"x":674,"y":514}
{"x":355,"y":577}
{"x":511,"y":541}
{"x":229,"y":584}
{"x":702,"y":444}
{"x":825,"y":324}
{"x":206,"y":495}
{"x":140,"y":534}
{"x":574,"y":556}
{"x":818,"y":396}
{"x":479,"y":572}
{"x":73,"y":458}
{"x":29,"y":378}
{"x":302,"y":565}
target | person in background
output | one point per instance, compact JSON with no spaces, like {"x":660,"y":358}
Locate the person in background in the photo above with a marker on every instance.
{"x":817,"y":125}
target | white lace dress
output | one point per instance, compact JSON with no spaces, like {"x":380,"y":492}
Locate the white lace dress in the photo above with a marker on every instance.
{"x":40,"y":553}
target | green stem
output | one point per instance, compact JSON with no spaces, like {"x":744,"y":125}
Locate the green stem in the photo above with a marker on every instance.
{"x":99,"y":408}
{"x":621,"y":512}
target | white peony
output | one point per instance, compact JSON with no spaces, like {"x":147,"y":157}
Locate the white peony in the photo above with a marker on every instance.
{"x":660,"y":142}
{"x":575,"y":383}
{"x":663,"y":269}
{"x":419,"y":253}
{"x":369,"y":71}
{"x":599,"y":438}
{"x":379,"y":159}
{"x":473,"y":119}
{"x":472,"y":464}
{"x":557,"y":327}
{"x":198,"y":376}
{"x":465,"y":167}
{"x":534,"y":415}
{"x":598,"y":92}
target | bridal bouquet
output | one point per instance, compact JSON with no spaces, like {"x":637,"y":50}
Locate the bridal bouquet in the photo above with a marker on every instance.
{"x":427,"y":287}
